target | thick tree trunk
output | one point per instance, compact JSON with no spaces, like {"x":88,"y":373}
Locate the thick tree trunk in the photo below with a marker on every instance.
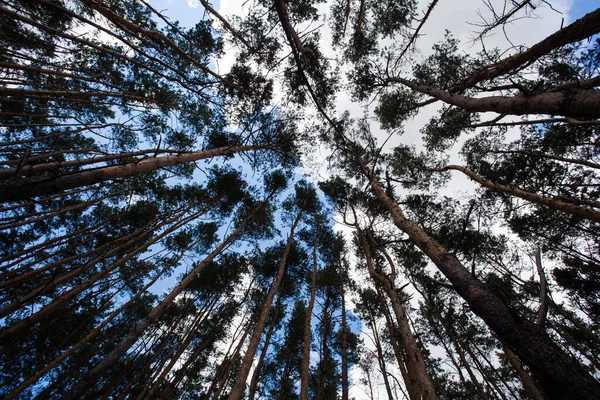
{"x":561,"y":376}
{"x":306,"y":346}
{"x":237,"y":391}
{"x":17,"y":189}
{"x":569,"y":103}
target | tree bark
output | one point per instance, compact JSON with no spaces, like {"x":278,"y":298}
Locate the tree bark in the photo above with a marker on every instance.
{"x":420,"y":381}
{"x":16,"y":189}
{"x":237,"y":391}
{"x":569,"y":103}
{"x":561,"y":376}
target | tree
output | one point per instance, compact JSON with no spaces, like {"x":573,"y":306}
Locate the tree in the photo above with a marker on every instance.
{"x":131,"y":164}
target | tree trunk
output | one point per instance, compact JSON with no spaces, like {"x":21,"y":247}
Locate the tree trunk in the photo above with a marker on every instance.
{"x":527,"y":381}
{"x":420,"y":381}
{"x":345,"y":381}
{"x":18,"y":189}
{"x":307,"y":330}
{"x":581,"y":29}
{"x":573,"y":102}
{"x":561,"y":376}
{"x":380,"y":359}
{"x":237,"y":391}
{"x":324,"y":354}
{"x":461,"y":354}
{"x":556,"y":203}
{"x":393,"y":336}
{"x":263,"y":353}
{"x":80,"y":388}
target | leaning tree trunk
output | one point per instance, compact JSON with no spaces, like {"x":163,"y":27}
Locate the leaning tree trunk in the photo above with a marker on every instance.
{"x":556,"y":203}
{"x":561,"y":376}
{"x":394,"y":342}
{"x":15,"y":189}
{"x":263,"y":353}
{"x":527,"y":381}
{"x":380,"y":358}
{"x":237,"y":391}
{"x":420,"y":381}
{"x":78,"y":390}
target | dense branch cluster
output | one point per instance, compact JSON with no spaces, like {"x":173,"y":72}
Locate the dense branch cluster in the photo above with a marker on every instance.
{"x":158,"y":240}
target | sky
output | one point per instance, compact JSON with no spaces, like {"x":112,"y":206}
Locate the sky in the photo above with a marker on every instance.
{"x":458,"y":16}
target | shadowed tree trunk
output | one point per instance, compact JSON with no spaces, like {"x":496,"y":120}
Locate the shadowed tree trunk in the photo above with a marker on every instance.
{"x":528,"y":383}
{"x":80,"y":388}
{"x":561,"y":376}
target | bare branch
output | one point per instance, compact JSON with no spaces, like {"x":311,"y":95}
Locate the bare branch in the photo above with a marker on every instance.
{"x":543,"y":311}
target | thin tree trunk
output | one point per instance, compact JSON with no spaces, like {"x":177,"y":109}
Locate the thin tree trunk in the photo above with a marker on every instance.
{"x":494,"y":371}
{"x":306,"y":345}
{"x":466,"y":347}
{"x":207,"y":342}
{"x":72,"y":293}
{"x":324,"y":353}
{"x":560,"y":375}
{"x":263,"y":353}
{"x":463,"y":359}
{"x":80,"y":388}
{"x":420,"y":381}
{"x":380,"y":359}
{"x":527,"y":381}
{"x":223,"y":372}
{"x":237,"y":391}
{"x":393,"y":340}
{"x":35,"y":377}
{"x":345,"y":381}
